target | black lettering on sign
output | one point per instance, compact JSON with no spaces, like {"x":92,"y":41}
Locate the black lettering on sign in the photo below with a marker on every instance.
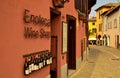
{"x":35,"y":19}
{"x":44,"y":34}
{"x":29,"y":32}
{"x":26,"y":17}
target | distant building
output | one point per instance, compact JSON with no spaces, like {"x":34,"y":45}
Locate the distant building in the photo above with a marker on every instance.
{"x":111,"y":26}
{"x":92,"y":31}
{"x":99,"y":20}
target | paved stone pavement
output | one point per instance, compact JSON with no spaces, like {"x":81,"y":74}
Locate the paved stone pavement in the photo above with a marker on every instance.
{"x":103,"y":62}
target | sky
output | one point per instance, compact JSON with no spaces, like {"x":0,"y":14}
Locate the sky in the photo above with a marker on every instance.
{"x":98,"y":4}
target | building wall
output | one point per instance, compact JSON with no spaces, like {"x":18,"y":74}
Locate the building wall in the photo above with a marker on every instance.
{"x":113,"y":31}
{"x":80,"y":34}
{"x":91,"y":26}
{"x":104,"y":24}
{"x":13,"y":42}
{"x":99,"y":19}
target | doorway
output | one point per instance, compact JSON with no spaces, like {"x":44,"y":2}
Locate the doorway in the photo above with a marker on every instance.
{"x":117,"y":44}
{"x":108,"y":41}
{"x":54,"y":17}
{"x":53,"y":67}
{"x":71,"y":42}
{"x":82,"y":50}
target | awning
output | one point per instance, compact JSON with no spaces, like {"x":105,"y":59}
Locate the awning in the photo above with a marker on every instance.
{"x":92,"y":39}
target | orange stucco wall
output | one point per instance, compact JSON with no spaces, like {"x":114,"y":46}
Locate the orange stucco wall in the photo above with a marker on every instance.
{"x":69,"y":8}
{"x":14,"y":45}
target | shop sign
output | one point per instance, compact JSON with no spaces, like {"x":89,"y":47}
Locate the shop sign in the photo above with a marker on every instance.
{"x":36,"y":61}
{"x":36,"y":20}
{"x":59,"y":3}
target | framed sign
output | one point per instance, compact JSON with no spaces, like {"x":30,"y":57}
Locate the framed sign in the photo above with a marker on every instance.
{"x":64,"y":37}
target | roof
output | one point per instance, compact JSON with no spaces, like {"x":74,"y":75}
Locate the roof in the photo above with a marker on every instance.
{"x":92,"y":19}
{"x":105,"y":12}
{"x":113,"y":10}
{"x":108,"y":5}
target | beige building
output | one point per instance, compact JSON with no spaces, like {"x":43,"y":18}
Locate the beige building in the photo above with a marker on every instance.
{"x":111,"y":27}
{"x":99,"y":20}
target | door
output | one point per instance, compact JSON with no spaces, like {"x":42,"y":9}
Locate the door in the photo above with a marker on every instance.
{"x":82,"y":50}
{"x":117,"y":41}
{"x":108,"y":41}
{"x":71,"y":44}
{"x":53,"y":67}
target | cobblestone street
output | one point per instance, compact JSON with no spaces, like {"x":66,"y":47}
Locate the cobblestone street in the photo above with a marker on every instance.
{"x":103,"y":62}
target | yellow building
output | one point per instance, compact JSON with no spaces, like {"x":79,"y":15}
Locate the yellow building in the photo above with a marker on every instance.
{"x":92,"y":30}
{"x":99,"y":20}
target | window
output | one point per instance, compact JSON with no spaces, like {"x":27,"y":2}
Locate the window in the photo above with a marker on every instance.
{"x":119,"y":20}
{"x":111,"y":25}
{"x":106,"y":27}
{"x":100,"y":27}
{"x":119,"y":23}
{"x":94,"y":30}
{"x":81,"y":5}
{"x":93,"y":23}
{"x":115,"y":23}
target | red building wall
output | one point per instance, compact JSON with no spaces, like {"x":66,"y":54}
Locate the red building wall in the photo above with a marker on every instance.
{"x":14,"y":44}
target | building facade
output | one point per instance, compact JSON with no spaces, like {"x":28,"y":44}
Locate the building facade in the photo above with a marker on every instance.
{"x":92,"y":30}
{"x":112,"y":27}
{"x":42,"y":38}
{"x":99,"y":20}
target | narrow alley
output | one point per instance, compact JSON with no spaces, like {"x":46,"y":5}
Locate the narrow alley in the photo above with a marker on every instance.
{"x":103,"y":62}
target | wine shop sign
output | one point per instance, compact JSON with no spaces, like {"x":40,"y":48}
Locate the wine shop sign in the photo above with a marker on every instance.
{"x":36,"y":20}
